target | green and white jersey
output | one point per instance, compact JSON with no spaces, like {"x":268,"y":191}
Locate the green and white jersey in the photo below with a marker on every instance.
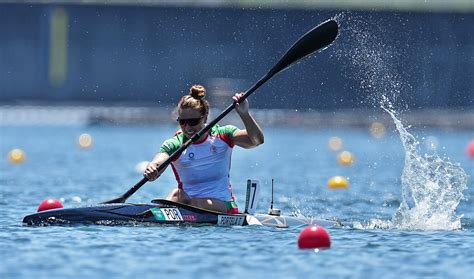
{"x":202,"y":170}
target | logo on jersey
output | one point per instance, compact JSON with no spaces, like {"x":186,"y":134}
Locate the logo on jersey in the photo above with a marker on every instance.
{"x":213,"y":148}
{"x":191,"y":155}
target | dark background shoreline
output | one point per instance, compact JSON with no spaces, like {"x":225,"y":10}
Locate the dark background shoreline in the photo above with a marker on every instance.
{"x":107,"y":54}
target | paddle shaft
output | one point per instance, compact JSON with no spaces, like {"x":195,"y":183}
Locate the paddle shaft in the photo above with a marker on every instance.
{"x":316,"y":39}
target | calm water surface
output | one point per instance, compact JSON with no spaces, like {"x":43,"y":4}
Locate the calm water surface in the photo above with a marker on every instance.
{"x":299,"y":160}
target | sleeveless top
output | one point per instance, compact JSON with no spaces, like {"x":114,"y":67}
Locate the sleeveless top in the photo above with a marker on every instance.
{"x":202,"y":170}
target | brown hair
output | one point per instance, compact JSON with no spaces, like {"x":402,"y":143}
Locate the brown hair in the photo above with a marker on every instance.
{"x":195,"y":100}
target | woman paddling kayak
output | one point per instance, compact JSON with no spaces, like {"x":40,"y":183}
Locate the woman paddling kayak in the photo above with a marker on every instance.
{"x":202,"y":170}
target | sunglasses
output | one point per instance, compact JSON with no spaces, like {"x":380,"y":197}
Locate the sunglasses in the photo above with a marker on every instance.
{"x":190,"y":121}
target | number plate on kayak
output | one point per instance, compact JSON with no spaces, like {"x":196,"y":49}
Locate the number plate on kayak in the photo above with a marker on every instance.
{"x":228,"y":220}
{"x":167,"y":214}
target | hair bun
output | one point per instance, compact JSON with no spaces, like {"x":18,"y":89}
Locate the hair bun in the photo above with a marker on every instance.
{"x":197,"y":91}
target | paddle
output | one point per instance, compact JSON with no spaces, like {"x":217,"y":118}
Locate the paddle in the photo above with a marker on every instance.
{"x":316,"y":39}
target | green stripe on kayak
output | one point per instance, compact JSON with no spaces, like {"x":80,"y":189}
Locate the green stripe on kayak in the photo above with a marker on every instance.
{"x":159,"y":216}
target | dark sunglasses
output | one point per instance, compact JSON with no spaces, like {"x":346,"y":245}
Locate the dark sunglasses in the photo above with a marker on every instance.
{"x":190,"y":121}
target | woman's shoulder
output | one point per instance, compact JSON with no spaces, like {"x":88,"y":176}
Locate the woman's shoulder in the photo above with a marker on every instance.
{"x":173,"y":143}
{"x":227,"y":129}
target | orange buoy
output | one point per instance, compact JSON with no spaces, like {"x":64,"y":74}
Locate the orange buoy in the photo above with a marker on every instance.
{"x":49,"y":204}
{"x":314,"y":237}
{"x":85,"y":141}
{"x":335,"y":143}
{"x":345,"y":158}
{"x":377,"y":130}
{"x":16,"y":156}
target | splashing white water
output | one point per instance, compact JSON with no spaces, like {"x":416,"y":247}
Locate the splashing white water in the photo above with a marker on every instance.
{"x":432,"y":187}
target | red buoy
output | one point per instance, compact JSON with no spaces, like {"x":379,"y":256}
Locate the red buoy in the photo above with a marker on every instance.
{"x":470,"y":149}
{"x":313,"y":237}
{"x":49,"y":204}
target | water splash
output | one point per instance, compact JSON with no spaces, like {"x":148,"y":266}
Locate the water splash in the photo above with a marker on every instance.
{"x":370,"y":60}
{"x":432,"y":187}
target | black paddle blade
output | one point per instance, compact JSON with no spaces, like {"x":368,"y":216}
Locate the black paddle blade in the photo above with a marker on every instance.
{"x":316,"y":39}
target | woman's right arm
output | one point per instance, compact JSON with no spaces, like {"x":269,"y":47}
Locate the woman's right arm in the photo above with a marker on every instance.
{"x":151,"y":170}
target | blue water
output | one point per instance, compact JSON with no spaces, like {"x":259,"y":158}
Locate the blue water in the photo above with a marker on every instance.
{"x":408,"y":213}
{"x":371,"y":244}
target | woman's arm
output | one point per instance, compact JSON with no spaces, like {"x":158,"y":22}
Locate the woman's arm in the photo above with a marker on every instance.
{"x":151,"y":170}
{"x":253,"y":134}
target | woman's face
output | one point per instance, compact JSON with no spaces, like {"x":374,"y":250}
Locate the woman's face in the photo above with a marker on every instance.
{"x":191,"y":121}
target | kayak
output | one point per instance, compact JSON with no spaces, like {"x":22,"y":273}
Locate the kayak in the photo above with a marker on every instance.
{"x":163,"y":212}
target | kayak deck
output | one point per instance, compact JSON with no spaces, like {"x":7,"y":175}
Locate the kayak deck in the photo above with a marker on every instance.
{"x":161,"y":212}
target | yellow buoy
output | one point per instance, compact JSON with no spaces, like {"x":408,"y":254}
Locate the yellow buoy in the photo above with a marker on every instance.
{"x":337,"y":182}
{"x":345,"y":158}
{"x":85,"y":140}
{"x":16,"y":156}
{"x":335,"y":143}
{"x":377,"y":130}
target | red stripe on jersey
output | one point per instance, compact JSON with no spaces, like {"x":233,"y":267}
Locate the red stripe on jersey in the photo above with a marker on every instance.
{"x":227,"y":139}
{"x":176,"y":175}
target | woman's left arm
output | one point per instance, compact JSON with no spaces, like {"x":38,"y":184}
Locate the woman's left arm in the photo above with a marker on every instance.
{"x":253,"y":134}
